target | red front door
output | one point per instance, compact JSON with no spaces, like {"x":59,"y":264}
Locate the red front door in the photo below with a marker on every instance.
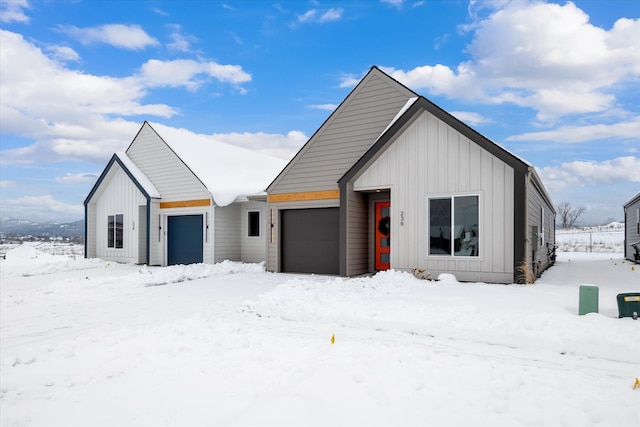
{"x":383,"y":235}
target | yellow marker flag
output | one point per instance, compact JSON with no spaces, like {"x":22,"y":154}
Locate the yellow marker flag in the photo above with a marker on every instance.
{"x":333,"y":339}
{"x":637,"y":384}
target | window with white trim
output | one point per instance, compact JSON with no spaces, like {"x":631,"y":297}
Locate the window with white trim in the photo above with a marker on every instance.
{"x":453,"y":226}
{"x":115,"y":231}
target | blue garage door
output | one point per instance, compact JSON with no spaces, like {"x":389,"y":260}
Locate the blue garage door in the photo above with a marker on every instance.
{"x":184,"y":239}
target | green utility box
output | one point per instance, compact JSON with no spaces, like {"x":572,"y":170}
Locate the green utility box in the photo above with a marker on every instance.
{"x":588,"y":299}
{"x":629,"y":305}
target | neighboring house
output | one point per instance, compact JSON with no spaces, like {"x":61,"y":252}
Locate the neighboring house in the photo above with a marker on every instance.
{"x":175,"y":197}
{"x":390,"y":180}
{"x":632,"y":228}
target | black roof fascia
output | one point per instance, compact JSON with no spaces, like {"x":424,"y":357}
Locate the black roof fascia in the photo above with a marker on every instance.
{"x":423,"y":103}
{"x":138,"y":133}
{"x":86,"y":229}
{"x":115,"y":159}
{"x":100,"y":179}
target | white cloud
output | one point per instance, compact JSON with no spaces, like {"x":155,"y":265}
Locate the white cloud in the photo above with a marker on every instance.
{"x":308,"y":16}
{"x":131,"y":37}
{"x":283,"y":146}
{"x":159,"y":11}
{"x":329,"y":107}
{"x":576,"y":134}
{"x":13,"y":11}
{"x":440,"y":79}
{"x":349,"y":80}
{"x":5,"y":183}
{"x":78,"y":178}
{"x":40,"y":208}
{"x":320,"y":17}
{"x":63,"y":53}
{"x":470,"y":117}
{"x":586,"y":173}
{"x":236,"y":38}
{"x":70,"y":113}
{"x":332,"y":14}
{"x":544,"y":56}
{"x":180,"y":42}
{"x":396,"y":3}
{"x":188,"y":73}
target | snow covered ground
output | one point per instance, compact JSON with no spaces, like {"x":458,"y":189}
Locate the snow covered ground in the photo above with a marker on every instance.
{"x":92,"y":343}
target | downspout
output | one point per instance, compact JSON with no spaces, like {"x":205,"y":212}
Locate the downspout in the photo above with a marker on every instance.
{"x":86,"y":234}
{"x":208,"y":226}
{"x":148,"y":236}
{"x":343,"y":268}
{"x":522,"y":243}
{"x":528,"y":250}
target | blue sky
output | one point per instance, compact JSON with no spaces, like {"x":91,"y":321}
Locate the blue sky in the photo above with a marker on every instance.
{"x":558,"y":84}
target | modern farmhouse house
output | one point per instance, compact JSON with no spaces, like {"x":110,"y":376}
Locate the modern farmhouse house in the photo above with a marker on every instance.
{"x":632,"y":229}
{"x":175,"y":197}
{"x":390,"y":180}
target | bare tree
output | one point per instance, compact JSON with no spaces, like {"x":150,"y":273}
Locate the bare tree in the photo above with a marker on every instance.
{"x":568,"y":214}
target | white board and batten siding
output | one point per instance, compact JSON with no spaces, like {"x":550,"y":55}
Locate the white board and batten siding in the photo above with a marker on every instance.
{"x":119,"y":195}
{"x":431,"y":159}
{"x":176,"y":182}
{"x":91,"y":224}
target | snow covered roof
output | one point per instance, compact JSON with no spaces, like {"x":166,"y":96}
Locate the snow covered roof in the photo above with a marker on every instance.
{"x":228,"y":171}
{"x":138,"y":175}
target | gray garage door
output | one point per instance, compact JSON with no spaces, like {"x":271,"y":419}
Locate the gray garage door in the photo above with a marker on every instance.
{"x":310,"y":239}
{"x":184,"y":239}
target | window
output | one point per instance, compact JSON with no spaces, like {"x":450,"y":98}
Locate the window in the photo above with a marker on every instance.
{"x":254,"y":224}
{"x":638,"y":221}
{"x":453,"y":226}
{"x":115,"y":229}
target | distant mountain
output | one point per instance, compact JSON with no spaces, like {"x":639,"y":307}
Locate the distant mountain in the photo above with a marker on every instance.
{"x":19,"y":227}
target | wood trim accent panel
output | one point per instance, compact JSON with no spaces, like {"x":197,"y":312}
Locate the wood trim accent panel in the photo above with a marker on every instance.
{"x":185,"y":203}
{"x":303,"y":196}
